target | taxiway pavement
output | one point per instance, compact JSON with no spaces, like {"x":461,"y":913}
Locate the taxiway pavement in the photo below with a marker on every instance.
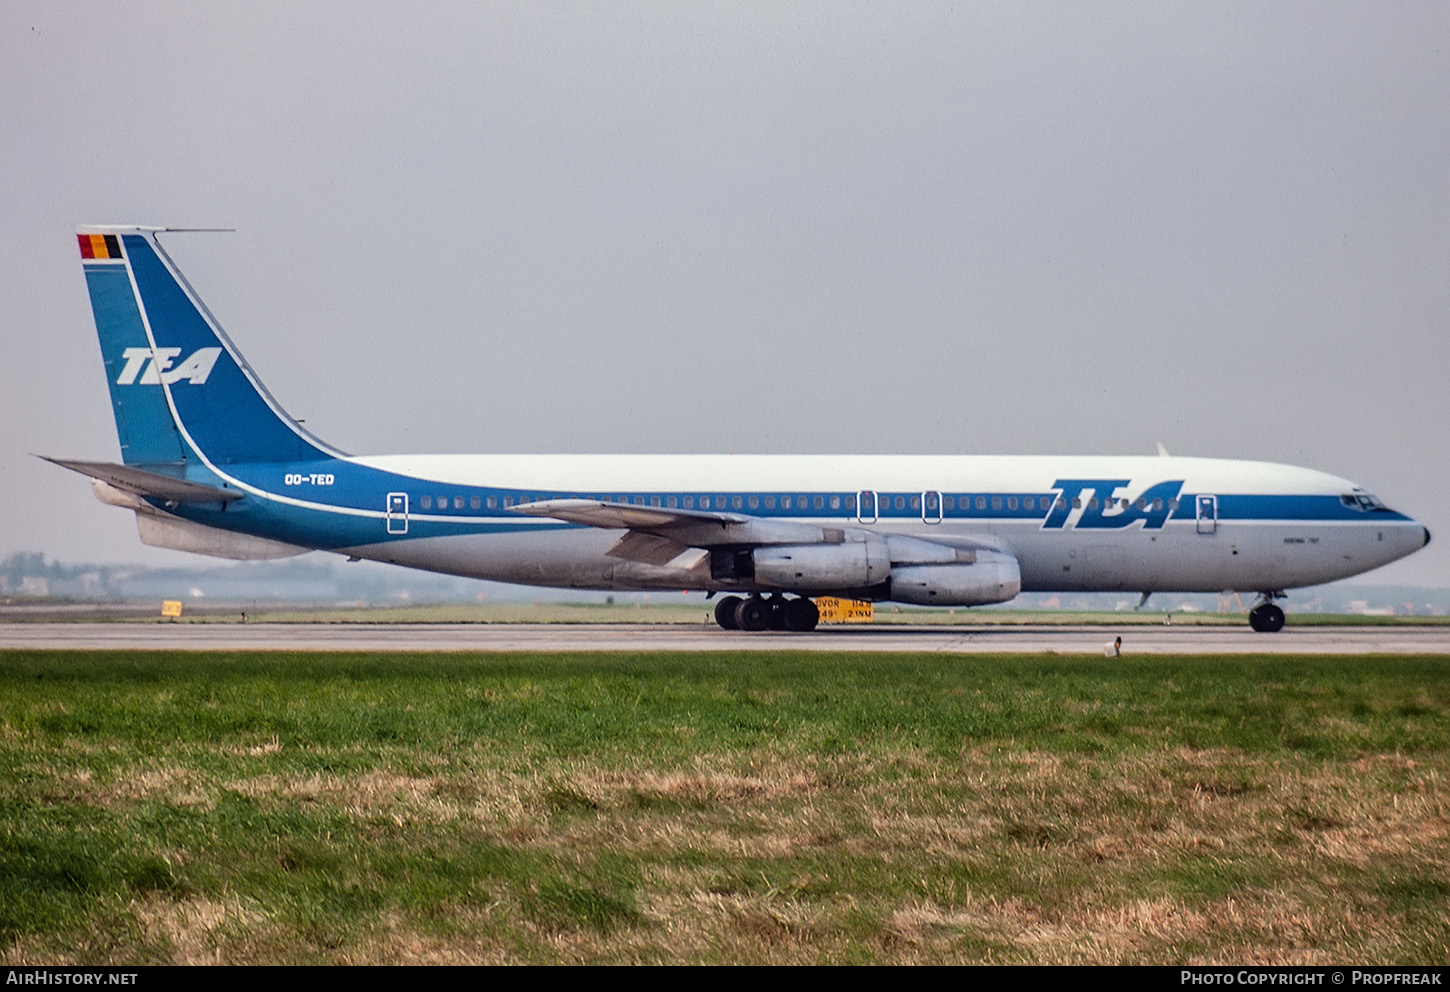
{"x":964,"y":639}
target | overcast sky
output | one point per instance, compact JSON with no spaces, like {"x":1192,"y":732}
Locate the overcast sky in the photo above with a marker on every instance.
{"x":783,"y":227}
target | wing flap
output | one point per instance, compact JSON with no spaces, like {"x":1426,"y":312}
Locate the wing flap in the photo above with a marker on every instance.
{"x":648,"y":549}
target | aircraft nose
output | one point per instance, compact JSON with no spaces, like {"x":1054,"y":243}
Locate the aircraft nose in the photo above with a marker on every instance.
{"x":1427,"y":536}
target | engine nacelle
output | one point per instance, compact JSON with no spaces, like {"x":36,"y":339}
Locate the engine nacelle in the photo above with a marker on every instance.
{"x":992,"y":578}
{"x":807,"y":568}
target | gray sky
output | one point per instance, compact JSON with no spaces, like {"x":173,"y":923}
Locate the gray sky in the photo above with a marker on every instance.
{"x":1006,"y":228}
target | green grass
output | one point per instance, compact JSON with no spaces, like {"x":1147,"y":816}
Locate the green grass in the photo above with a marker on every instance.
{"x":711,"y":808}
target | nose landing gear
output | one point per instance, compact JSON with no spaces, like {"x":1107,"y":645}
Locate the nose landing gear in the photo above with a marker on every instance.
{"x":1265,"y":617}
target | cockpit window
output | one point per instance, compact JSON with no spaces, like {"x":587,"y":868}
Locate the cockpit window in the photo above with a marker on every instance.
{"x":1361,"y":501}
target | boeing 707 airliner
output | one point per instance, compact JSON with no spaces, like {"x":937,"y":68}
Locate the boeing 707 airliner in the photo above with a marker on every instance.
{"x":211,"y":463}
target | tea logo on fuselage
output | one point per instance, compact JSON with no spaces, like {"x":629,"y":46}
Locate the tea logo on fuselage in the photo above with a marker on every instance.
{"x":1099,"y":507}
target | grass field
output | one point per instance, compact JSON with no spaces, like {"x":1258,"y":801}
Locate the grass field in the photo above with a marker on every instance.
{"x":714,"y":808}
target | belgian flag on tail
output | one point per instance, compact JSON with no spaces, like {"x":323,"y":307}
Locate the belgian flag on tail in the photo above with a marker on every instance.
{"x":99,"y":245}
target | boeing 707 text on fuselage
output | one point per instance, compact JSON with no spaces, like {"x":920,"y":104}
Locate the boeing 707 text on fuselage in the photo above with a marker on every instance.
{"x":210,"y":463}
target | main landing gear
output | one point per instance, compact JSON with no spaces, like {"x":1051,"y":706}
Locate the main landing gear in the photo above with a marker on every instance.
{"x":1265,"y":617}
{"x":762,"y":613}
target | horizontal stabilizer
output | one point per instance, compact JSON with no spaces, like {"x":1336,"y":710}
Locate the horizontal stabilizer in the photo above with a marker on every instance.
{"x":143,"y":483}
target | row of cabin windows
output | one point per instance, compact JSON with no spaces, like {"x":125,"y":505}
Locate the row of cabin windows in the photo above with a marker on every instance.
{"x":1043,"y":503}
{"x":884,"y":503}
{"x":673,"y":502}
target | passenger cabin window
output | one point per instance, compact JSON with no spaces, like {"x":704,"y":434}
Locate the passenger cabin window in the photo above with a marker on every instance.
{"x":426,"y":502}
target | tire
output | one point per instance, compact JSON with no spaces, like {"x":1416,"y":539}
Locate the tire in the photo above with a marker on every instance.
{"x":801,"y":615}
{"x":725,"y":612}
{"x":753,"y":614}
{"x":1266,"y":619}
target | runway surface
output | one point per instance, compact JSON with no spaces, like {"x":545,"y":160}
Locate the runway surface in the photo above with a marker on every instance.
{"x":1137,"y":640}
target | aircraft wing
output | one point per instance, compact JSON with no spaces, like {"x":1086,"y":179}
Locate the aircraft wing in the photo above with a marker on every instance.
{"x":681,"y":528}
{"x":794,"y":554}
{"x":604,"y":513}
{"x":153,"y":484}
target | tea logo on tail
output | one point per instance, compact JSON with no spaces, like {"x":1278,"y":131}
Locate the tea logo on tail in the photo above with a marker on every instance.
{"x":159,"y":368}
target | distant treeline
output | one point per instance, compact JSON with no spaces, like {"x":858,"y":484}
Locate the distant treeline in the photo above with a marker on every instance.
{"x":25,"y":564}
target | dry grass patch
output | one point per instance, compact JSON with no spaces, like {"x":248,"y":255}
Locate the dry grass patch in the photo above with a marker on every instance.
{"x":201,"y":930}
{"x":703,"y":788}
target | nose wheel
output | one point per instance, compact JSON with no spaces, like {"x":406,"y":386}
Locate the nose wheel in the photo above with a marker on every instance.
{"x":1266,"y":618}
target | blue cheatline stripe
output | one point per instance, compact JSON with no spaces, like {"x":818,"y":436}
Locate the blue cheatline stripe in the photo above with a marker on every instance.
{"x":342,"y":484}
{"x":364,"y":488}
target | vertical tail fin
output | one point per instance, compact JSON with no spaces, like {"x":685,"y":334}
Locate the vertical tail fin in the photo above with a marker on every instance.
{"x":179,"y":387}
